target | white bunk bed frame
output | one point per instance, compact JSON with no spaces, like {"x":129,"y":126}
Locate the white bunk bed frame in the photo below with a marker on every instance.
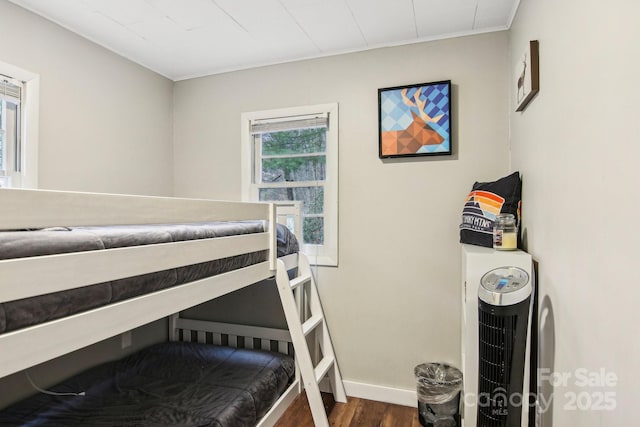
{"x":27,"y":277}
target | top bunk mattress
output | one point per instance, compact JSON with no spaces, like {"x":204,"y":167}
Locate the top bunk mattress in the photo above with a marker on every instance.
{"x":25,"y":312}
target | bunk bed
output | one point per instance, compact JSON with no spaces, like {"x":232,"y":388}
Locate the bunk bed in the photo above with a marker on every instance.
{"x":142,"y":259}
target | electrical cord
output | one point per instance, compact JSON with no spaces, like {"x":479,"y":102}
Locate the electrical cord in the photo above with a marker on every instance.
{"x":51,"y":393}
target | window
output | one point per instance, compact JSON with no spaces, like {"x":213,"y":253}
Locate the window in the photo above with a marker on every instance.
{"x":292,"y":155}
{"x":10,"y":138}
{"x":19,"y":91}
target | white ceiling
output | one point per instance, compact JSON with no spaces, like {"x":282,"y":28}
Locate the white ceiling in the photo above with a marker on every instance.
{"x":181,"y":39}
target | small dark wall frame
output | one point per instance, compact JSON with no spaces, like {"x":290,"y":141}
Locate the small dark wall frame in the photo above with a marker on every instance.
{"x":415,"y":120}
{"x":527,"y":76}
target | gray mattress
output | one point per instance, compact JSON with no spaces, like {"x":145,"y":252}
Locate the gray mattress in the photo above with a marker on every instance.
{"x":169,"y":384}
{"x":30,"y":311}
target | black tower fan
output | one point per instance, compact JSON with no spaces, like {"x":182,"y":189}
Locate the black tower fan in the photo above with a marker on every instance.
{"x":504,"y":309}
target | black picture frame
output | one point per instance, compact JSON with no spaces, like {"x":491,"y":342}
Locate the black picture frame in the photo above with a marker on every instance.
{"x":415,"y":120}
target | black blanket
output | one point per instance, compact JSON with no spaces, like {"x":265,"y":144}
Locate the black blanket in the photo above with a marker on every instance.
{"x":169,"y":384}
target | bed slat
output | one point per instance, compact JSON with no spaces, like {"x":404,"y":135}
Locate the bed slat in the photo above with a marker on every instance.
{"x":280,"y":338}
{"x":248,"y":342}
{"x":233,"y":341}
{"x":217,"y":339}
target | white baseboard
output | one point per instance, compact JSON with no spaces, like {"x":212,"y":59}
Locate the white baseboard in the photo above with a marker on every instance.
{"x":378,"y":393}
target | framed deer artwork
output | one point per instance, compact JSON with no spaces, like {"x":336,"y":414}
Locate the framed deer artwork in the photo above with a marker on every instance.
{"x":415,"y":120}
{"x":527,"y":77}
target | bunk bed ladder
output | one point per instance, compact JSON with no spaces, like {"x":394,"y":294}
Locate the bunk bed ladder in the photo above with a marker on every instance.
{"x":303,"y":311}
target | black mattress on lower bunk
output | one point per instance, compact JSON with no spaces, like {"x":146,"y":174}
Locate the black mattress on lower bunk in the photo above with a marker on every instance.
{"x":169,"y":384}
{"x":28,"y":243}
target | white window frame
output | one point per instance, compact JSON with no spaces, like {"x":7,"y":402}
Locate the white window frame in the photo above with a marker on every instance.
{"x":327,"y":253}
{"x":29,"y":125}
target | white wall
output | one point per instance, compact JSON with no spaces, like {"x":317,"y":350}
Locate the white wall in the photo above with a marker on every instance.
{"x":105,"y":122}
{"x":577,"y":147}
{"x":394,"y":300}
{"x":105,"y":126}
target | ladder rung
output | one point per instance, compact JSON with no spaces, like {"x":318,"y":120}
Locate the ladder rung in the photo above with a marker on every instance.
{"x":300,"y":281}
{"x":311,"y":323}
{"x":323,"y":367}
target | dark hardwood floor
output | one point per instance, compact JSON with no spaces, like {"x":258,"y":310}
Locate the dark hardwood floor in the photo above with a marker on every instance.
{"x":356,"y":412}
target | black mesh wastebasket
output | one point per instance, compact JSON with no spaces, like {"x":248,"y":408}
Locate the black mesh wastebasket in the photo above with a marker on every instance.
{"x":438,"y":386}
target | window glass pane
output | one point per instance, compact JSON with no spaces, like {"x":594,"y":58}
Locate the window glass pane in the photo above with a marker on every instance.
{"x":291,"y":169}
{"x":2,"y":132}
{"x":312,"y":197}
{"x":11,"y":150}
{"x":313,"y":230}
{"x":299,"y":141}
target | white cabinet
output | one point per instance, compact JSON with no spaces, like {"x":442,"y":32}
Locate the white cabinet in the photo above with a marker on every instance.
{"x":476,"y":261}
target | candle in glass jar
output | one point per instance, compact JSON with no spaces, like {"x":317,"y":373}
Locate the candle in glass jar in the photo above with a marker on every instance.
{"x":509,"y":240}
{"x":505,"y":232}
